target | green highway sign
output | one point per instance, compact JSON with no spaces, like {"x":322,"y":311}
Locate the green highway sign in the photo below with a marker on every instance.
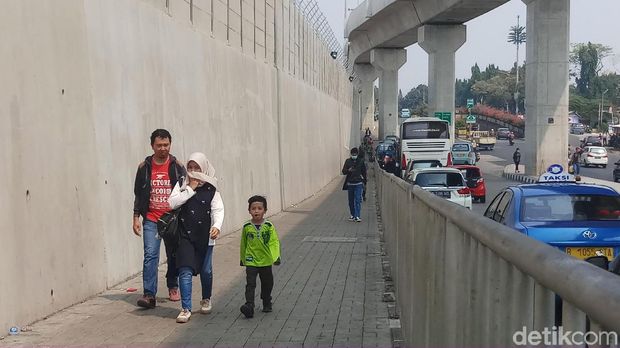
{"x":446,"y":116}
{"x":470,"y":103}
{"x":470,"y":119}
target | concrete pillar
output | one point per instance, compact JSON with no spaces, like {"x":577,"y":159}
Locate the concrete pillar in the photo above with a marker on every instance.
{"x":441,"y":43}
{"x":546,"y":84}
{"x":365,"y":75}
{"x":387,"y":61}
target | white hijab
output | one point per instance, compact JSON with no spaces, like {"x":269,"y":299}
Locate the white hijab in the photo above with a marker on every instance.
{"x":207,"y":172}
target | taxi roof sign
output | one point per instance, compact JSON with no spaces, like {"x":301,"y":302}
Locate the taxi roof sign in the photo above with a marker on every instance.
{"x":556,"y":174}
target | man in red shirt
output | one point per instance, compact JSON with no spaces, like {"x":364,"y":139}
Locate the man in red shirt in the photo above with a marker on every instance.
{"x":155,"y":178}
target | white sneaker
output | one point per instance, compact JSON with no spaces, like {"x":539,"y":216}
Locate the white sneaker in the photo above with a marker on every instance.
{"x":358,"y":219}
{"x":205,"y":306}
{"x":351,"y":218}
{"x":184,"y":316}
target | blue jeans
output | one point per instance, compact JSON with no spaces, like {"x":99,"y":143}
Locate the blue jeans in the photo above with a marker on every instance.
{"x":206,"y":280}
{"x":355,"y":199}
{"x":151,"y":261}
{"x":576,"y":168}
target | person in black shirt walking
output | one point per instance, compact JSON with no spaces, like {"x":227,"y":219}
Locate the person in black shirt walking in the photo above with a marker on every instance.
{"x":355,"y":170}
{"x":516,"y":157}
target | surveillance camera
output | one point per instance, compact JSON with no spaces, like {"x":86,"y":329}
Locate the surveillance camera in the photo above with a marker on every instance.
{"x":334,"y":54}
{"x":351,"y":78}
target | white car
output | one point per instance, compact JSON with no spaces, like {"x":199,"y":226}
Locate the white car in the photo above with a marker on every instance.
{"x":444,"y":182}
{"x":594,"y":156}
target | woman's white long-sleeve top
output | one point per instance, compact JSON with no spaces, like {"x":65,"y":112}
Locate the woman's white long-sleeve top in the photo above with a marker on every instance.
{"x":178,"y":197}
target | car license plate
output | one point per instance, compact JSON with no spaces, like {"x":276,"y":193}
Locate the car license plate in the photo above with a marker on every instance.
{"x":597,"y":157}
{"x":584,"y":253}
{"x":443,"y":194}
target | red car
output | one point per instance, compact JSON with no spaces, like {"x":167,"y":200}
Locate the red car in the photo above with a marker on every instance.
{"x":474,"y":181}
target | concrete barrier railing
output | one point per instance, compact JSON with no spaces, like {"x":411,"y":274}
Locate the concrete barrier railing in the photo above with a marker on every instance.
{"x":464,"y":280}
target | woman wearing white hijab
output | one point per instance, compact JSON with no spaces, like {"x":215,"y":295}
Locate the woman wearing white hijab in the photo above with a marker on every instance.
{"x":200,"y":222}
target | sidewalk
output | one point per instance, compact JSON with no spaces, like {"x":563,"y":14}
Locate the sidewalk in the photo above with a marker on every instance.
{"x":328,"y":293}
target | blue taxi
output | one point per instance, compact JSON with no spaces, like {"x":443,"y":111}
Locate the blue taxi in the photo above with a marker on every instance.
{"x":582,"y":220}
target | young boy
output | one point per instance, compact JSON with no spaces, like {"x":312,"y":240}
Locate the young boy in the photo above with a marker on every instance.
{"x":260,"y":248}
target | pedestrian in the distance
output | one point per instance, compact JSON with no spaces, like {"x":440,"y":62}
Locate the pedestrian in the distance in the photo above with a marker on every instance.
{"x":155,"y":178}
{"x":200,"y":222}
{"x":574,"y":161}
{"x":356,"y":178}
{"x":259,"y":250}
{"x":516,"y":158}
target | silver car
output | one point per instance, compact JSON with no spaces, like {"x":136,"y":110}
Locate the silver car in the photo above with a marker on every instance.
{"x":445,"y":182}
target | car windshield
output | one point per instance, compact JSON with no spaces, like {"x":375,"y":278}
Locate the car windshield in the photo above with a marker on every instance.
{"x":590,"y":139}
{"x":441,"y":179}
{"x":385,"y":147}
{"x":471,"y":173}
{"x":425,"y":164}
{"x":460,"y":147}
{"x":598,"y":150}
{"x":426,"y":130}
{"x":570,"y":208}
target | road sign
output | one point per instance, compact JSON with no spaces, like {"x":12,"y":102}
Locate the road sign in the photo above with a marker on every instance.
{"x":446,"y":116}
{"x":470,"y":119}
{"x":405,"y":113}
{"x":470,"y":103}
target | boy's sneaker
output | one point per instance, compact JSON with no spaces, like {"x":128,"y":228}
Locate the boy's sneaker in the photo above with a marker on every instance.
{"x":147,"y":301}
{"x":267,"y":307}
{"x":248,"y":310}
{"x":184,"y":316}
{"x":205,"y":306}
{"x":358,"y":219}
{"x":174,"y":294}
{"x":351,"y":218}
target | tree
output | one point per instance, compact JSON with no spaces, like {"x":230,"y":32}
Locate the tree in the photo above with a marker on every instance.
{"x":416,"y":100}
{"x":496,"y":91}
{"x":587,"y":61}
{"x":517,"y":37}
{"x":476,"y":75}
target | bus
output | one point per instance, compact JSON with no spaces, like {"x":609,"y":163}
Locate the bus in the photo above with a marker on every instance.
{"x":425,"y":138}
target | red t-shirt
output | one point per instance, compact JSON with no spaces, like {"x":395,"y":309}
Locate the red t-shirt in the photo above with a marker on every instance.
{"x":160,"y":190}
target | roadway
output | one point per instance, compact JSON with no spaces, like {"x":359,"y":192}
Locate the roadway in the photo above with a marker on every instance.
{"x":492,"y":164}
{"x":597,"y":172}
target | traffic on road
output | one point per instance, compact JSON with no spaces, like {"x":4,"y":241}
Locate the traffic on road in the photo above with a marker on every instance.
{"x":582,"y":220}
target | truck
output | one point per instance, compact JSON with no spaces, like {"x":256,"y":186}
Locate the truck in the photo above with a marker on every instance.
{"x":483,"y":140}
{"x":425,"y":138}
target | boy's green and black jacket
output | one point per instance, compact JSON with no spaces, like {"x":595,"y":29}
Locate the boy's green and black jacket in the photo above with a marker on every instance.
{"x":260,"y":247}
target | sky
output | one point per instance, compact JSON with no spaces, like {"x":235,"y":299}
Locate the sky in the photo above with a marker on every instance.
{"x":486,"y":36}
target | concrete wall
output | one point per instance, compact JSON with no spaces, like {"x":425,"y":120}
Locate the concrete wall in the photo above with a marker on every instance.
{"x":84,"y":85}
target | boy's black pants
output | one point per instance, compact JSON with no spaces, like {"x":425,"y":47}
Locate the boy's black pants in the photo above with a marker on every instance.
{"x":266,"y":283}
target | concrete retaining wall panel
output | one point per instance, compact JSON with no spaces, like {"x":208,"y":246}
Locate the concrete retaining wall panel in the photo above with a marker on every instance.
{"x":50,"y":221}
